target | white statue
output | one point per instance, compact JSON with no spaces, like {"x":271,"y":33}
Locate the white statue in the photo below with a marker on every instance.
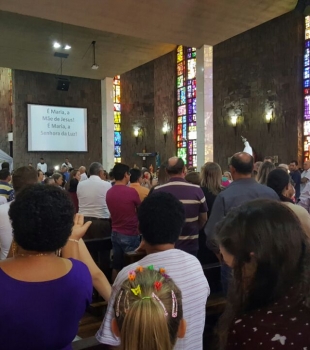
{"x":247,"y":147}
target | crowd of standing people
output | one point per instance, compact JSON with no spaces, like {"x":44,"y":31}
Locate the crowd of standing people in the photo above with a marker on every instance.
{"x":254,"y":219}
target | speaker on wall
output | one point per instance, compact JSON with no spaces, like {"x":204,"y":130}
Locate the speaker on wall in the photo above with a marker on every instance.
{"x":63,"y":84}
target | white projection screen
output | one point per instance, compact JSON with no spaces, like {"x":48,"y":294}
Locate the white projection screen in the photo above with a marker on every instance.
{"x":57,"y":129}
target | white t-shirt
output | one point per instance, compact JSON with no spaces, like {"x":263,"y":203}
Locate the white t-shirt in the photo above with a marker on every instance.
{"x":187,"y":273}
{"x":3,"y":200}
{"x":305,"y":173}
{"x":42,"y":167}
{"x":91,"y":194}
{"x":83,"y":177}
{"x":69,"y":165}
{"x":6,"y":232}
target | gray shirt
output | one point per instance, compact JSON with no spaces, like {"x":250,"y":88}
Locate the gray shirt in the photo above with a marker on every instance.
{"x":237,"y":193}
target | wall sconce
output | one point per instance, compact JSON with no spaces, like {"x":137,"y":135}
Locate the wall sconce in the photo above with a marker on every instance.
{"x":165,"y":130}
{"x":234,"y":119}
{"x":136,"y":134}
{"x":269,"y":117}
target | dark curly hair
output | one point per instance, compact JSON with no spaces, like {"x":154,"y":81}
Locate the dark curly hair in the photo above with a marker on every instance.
{"x":161,"y":218}
{"x":42,"y":218}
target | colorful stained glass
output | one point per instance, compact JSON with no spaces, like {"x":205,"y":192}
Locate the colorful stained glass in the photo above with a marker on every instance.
{"x":117,"y":118}
{"x":180,"y":53}
{"x":191,"y":68}
{"x":182,"y":110}
{"x":180,"y":80}
{"x":117,"y":138}
{"x":306,"y":85}
{"x":307,"y":58}
{"x":117,"y":107}
{"x":186,"y":102}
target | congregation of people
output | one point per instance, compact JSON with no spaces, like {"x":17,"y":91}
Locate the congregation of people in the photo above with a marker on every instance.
{"x":252,"y":219}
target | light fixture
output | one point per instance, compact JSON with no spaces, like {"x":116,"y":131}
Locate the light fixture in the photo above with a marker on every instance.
{"x":95,"y":65}
{"x":67,"y":47}
{"x":269,"y":117}
{"x":56,"y":45}
{"x":56,"y":167}
{"x":233,"y":120}
{"x":165,"y":130}
{"x":136,"y":133}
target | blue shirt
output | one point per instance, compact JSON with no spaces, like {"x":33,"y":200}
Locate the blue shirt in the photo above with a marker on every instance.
{"x":237,"y":193}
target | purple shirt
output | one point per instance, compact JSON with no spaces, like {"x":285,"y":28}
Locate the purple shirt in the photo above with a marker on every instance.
{"x":43,"y":315}
{"x":194,"y":203}
{"x":122,"y":202}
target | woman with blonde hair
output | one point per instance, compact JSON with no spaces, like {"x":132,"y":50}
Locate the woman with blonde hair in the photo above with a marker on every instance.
{"x":148,"y":311}
{"x":211,"y":182}
{"x":264,"y":171}
{"x":211,"y":185}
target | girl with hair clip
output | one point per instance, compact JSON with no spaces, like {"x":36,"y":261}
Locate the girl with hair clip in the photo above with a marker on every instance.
{"x":148,"y":311}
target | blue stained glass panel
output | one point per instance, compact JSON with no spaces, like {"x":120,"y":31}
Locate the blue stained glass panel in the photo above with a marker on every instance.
{"x":183,"y":95}
{"x":117,"y":151}
{"x":307,"y":73}
{"x":117,"y":138}
{"x":184,"y":119}
{"x":194,"y":106}
{"x":307,"y":43}
{"x":307,"y":107}
{"x":307,"y":58}
{"x":307,"y":83}
{"x":190,"y":108}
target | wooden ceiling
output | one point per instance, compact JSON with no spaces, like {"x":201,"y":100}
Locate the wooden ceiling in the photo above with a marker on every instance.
{"x":128,"y":33}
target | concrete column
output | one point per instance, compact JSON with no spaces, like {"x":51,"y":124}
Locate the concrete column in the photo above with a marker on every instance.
{"x":107,"y":116}
{"x":204,"y":81}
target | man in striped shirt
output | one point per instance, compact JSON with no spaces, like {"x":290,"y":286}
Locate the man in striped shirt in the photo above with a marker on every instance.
{"x":5,"y":188}
{"x":194,"y":203}
{"x":161,"y":217}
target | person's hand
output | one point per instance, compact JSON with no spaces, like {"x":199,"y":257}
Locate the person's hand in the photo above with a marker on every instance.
{"x":141,"y":248}
{"x":79,"y":228}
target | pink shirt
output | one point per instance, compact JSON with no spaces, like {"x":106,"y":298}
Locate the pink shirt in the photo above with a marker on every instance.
{"x":122,"y":203}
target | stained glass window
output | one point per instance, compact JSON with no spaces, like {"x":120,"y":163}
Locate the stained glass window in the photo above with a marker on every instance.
{"x":117,"y":118}
{"x":186,"y":102}
{"x":306,"y":85}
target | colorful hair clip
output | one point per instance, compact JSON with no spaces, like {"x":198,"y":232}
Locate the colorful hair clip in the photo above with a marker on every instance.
{"x":158,"y":285}
{"x":151,"y":267}
{"x":174,"y":313}
{"x":117,"y":304}
{"x":161,"y":303}
{"x":165,"y":275}
{"x":145,"y":298}
{"x":131,"y":275}
{"x":162,"y":270}
{"x":139,"y":269}
{"x":137,"y":290}
{"x":126,"y":301}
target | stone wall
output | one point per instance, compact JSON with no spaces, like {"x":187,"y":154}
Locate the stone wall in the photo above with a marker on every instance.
{"x":148,"y":96}
{"x":40,"y":88}
{"x":252,"y":71}
{"x":5,"y":108}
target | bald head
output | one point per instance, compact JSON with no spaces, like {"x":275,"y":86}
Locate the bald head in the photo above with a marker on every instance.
{"x":82,"y":169}
{"x":242,"y":163}
{"x":175,"y":166}
{"x":306,"y":164}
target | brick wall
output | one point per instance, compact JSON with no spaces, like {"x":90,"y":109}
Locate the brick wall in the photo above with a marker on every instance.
{"x":148,"y":96}
{"x":40,"y":88}
{"x":261,"y":66}
{"x":5,"y":114}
